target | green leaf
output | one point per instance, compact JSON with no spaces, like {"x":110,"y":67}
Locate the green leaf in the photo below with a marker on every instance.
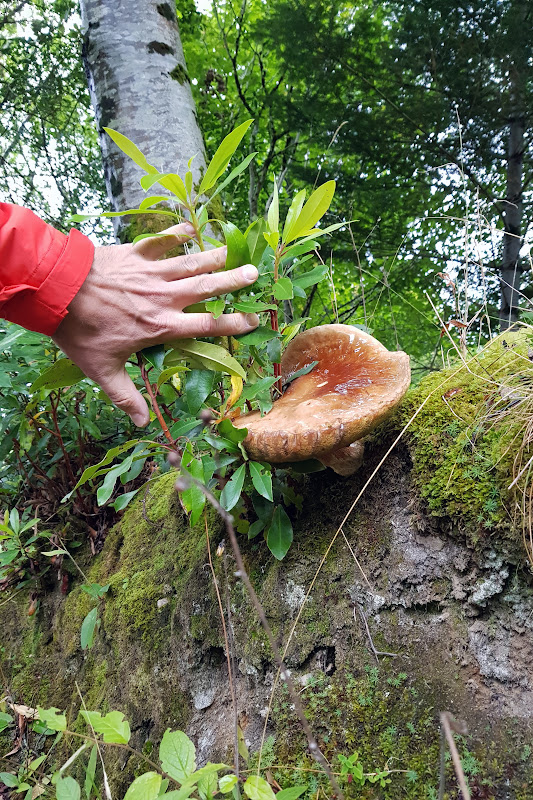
{"x":169,"y":180}
{"x":279,"y":534}
{"x":313,"y":210}
{"x":168,"y":373}
{"x":292,"y":215}
{"x":145,"y":787}
{"x":62,"y":373}
{"x":198,"y":387}
{"x":153,"y":201}
{"x":88,"y":629}
{"x":229,"y":431}
{"x":256,"y":528}
{"x":9,"y":780}
{"x":290,"y":331}
{"x":292,"y":793}
{"x":131,"y":150}
{"x":282,"y":289}
{"x":177,"y":755}
{"x":95,"y":590}
{"x":226,"y":783}
{"x":111,"y":454}
{"x":231,"y":177}
{"x":114,"y":727}
{"x":216,"y":307}
{"x":256,"y":241}
{"x":188,"y":182}
{"x":272,"y":239}
{"x":124,"y":500}
{"x":273,"y":211}
{"x":129,"y":212}
{"x":106,"y":489}
{"x":261,"y":479}
{"x":52,"y":718}
{"x":5,"y":721}
{"x":313,"y":276}
{"x":256,"y":788}
{"x":90,"y":772}
{"x":10,"y":338}
{"x":222,"y":157}
{"x":147,"y":181}
{"x":68,"y":789}
{"x":238,"y":252}
{"x":155,"y":355}
{"x":231,"y":492}
{"x":252,"y":306}
{"x":251,"y":390}
{"x":299,"y":372}
{"x":192,"y":498}
{"x":36,"y":763}
{"x":260,"y":335}
{"x":8,"y":556}
{"x":210,"y":355}
{"x":183,"y":427}
{"x":175,"y":184}
{"x":207,"y":783}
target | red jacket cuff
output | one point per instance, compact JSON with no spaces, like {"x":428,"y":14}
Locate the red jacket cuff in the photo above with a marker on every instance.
{"x":41,"y":308}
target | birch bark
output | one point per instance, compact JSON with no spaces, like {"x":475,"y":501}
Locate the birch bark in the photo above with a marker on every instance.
{"x":139,"y":86}
{"x":511,"y":271}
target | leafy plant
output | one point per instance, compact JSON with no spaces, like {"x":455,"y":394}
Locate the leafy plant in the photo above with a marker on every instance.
{"x":176,"y":765}
{"x":197,"y":388}
{"x":20,"y":548}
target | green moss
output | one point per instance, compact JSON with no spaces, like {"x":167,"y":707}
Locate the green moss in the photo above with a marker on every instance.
{"x":179,"y":74}
{"x":146,"y":223}
{"x":463,"y":441}
{"x":391,"y":720}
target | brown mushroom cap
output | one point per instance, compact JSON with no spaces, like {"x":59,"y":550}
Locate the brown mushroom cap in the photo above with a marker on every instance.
{"x":354,"y":386}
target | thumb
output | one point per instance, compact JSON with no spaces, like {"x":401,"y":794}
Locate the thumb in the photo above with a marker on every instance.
{"x":122,"y":392}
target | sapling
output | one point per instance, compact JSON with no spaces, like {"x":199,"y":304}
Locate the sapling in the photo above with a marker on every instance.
{"x":196,"y":388}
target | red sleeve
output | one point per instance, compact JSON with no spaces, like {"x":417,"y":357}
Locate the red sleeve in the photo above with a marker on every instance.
{"x":41,"y":269}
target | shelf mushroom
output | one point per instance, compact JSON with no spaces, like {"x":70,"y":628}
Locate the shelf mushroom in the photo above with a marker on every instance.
{"x":325,"y":413}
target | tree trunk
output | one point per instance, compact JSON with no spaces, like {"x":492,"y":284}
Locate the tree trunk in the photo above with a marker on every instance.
{"x":139,"y":86}
{"x":511,"y":270}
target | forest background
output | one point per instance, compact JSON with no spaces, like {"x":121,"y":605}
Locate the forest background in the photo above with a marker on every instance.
{"x":419,"y":111}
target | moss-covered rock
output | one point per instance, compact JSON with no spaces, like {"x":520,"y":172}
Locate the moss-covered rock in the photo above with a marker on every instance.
{"x":469,"y":425}
{"x":385,"y":623}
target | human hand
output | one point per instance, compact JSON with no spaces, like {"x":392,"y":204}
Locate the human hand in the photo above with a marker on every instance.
{"x":130,"y":301}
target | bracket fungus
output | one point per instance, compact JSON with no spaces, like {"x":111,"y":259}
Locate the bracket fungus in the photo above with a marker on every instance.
{"x":325,"y":413}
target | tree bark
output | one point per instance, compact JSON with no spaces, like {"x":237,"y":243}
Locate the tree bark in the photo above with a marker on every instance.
{"x":511,"y":269}
{"x":512,"y":242}
{"x":139,"y":86}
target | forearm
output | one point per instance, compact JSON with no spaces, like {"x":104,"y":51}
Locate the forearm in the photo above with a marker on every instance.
{"x":41,"y":269}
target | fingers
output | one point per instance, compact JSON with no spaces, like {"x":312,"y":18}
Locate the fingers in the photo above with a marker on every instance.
{"x":154,"y":248}
{"x":193,"y":264}
{"x":122,"y":392}
{"x":204,"y":286}
{"x":193,"y":325}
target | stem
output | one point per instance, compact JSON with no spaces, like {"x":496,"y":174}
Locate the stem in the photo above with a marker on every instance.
{"x":155,"y":406}
{"x":274,"y":324}
{"x":63,"y":448}
{"x":197,"y":230}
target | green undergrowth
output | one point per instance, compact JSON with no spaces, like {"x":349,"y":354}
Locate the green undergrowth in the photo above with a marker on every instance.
{"x":390,"y":719}
{"x":464,"y":440}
